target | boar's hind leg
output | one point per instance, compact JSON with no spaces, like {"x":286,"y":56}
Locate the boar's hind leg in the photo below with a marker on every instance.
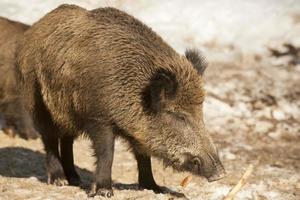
{"x":103,"y":144}
{"x":146,"y":180}
{"x":49,"y":132}
{"x":55,"y":171}
{"x":66,"y":152}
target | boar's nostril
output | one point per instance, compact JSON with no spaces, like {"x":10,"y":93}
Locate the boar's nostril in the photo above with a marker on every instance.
{"x":218,"y":174}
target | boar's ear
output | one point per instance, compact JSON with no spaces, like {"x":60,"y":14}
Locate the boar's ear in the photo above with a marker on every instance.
{"x":162,"y":86}
{"x":197,"y":60}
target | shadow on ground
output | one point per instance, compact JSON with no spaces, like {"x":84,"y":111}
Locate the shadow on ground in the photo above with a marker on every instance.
{"x":121,"y":186}
{"x":19,"y":162}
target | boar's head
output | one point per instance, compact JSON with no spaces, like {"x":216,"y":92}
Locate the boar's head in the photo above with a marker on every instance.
{"x":173,"y":101}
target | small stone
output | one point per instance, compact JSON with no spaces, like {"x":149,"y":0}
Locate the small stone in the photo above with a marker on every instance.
{"x":262,"y":127}
{"x":279,"y":114}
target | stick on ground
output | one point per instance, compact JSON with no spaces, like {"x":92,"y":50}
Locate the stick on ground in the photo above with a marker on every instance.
{"x":240,"y":184}
{"x":186,"y":181}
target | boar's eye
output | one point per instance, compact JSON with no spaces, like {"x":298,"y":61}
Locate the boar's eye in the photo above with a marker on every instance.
{"x":196,"y":162}
{"x":193,"y":163}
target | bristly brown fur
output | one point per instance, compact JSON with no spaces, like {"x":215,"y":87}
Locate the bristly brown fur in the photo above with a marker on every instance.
{"x":198,"y":61}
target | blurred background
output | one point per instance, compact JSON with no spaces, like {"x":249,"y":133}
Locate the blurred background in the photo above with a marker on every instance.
{"x":252,"y":107}
{"x":250,"y":26}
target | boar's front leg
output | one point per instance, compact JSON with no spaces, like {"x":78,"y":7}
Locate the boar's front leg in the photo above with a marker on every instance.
{"x":67,"y":160}
{"x":103,"y":144}
{"x":146,"y":180}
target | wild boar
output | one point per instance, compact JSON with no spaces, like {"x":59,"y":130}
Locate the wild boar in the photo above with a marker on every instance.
{"x":105,"y":74}
{"x":17,"y":121}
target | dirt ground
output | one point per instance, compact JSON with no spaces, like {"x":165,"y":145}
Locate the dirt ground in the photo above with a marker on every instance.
{"x":252,"y":110}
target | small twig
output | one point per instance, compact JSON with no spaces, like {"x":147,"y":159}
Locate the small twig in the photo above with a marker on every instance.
{"x":240,"y":184}
{"x":291,"y":50}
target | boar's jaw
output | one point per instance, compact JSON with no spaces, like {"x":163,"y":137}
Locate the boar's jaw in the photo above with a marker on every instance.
{"x":216,"y":177}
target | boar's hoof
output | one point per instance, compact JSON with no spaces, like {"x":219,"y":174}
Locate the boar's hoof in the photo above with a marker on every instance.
{"x":75,"y":181}
{"x":163,"y":190}
{"x":59,"y":182}
{"x":104,"y":192}
{"x":101,"y":191}
{"x":11,"y":132}
{"x":57,"y":179}
{"x":156,"y":189}
{"x":32,"y":134}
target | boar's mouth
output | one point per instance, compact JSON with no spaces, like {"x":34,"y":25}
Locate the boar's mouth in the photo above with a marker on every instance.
{"x":216,"y":176}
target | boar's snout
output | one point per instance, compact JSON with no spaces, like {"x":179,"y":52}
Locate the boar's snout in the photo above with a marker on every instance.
{"x":218,"y":174}
{"x":214,"y":169}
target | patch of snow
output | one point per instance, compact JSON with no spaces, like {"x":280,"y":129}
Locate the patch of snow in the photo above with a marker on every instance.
{"x":250,"y":26}
{"x":220,"y":192}
{"x":217,"y":108}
